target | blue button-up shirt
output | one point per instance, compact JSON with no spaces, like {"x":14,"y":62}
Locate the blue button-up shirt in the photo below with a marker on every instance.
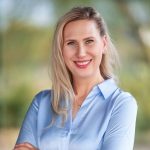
{"x":105,"y":121}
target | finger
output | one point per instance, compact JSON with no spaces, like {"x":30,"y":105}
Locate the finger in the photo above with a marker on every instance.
{"x":22,"y":148}
{"x":29,"y":145}
{"x":19,"y":145}
{"x":25,"y":145}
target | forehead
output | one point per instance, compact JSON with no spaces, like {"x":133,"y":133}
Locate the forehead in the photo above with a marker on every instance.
{"x":80,"y":27}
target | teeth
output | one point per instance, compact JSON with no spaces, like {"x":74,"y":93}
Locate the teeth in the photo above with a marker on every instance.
{"x":82,"y":62}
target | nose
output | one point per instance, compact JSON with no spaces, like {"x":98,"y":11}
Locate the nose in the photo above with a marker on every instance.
{"x":81,"y":51}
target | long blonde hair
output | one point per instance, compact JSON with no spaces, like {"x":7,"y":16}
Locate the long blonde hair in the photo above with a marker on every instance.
{"x":62,"y":88}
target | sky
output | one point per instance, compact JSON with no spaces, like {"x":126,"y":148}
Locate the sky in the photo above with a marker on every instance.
{"x":40,"y":13}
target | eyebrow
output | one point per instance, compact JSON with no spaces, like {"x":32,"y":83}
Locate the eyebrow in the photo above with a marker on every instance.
{"x":68,"y":40}
{"x":87,"y":38}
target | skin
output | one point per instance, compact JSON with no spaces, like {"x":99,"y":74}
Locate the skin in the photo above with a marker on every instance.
{"x":82,"y":51}
{"x":24,"y":146}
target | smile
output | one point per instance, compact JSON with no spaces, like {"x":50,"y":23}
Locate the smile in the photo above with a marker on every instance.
{"x":82,"y":64}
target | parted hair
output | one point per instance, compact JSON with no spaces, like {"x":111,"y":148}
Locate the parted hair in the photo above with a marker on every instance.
{"x":61,"y":78}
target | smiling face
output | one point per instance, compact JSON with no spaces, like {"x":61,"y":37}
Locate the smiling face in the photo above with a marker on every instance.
{"x":83,"y":48}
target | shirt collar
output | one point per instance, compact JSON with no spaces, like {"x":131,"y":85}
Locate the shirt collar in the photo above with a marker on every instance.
{"x":107,"y":87}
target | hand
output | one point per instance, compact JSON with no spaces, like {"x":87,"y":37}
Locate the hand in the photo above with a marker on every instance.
{"x":24,"y":146}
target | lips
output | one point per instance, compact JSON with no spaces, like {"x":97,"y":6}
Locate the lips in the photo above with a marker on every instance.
{"x":82,"y":64}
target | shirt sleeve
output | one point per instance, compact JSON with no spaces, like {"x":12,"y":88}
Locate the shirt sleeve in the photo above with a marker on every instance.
{"x":28,"y":131}
{"x":121,"y":128}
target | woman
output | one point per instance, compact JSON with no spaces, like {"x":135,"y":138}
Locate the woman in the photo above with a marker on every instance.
{"x":85,"y":110}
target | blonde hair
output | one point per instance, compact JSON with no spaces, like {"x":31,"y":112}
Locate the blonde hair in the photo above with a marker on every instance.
{"x":62,"y":88}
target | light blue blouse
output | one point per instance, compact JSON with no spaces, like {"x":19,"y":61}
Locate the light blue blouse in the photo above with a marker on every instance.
{"x":105,"y":121}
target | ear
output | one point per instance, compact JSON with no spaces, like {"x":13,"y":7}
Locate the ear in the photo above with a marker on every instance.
{"x":104,"y":41}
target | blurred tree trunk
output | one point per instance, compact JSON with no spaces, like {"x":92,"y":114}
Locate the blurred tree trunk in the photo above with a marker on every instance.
{"x":123,"y":6}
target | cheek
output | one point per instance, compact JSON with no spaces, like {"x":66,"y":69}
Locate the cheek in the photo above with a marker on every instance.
{"x":98,"y":56}
{"x":67,"y":57}
{"x":67,"y":53}
{"x":97,"y":53}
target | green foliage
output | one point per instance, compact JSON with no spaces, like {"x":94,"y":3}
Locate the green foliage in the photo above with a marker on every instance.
{"x":136,"y":80}
{"x":13,"y":107}
{"x":25,"y":50}
{"x":25,"y":45}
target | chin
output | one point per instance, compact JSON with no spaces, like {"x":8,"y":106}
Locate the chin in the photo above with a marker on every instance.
{"x":84,"y":75}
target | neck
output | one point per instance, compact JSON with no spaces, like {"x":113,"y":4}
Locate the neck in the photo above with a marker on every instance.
{"x":83,"y":86}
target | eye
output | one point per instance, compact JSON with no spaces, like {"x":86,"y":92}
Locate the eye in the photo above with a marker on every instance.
{"x":71,"y":43}
{"x":90,"y":41}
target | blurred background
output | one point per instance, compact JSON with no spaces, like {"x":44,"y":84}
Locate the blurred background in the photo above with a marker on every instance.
{"x":26,"y":30}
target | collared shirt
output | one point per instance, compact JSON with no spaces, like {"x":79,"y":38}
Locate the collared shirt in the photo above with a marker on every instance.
{"x":105,"y":121}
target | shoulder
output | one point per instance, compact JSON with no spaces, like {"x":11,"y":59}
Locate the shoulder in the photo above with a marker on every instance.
{"x":124,"y":96}
{"x":43,"y":96}
{"x":122,"y":99}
